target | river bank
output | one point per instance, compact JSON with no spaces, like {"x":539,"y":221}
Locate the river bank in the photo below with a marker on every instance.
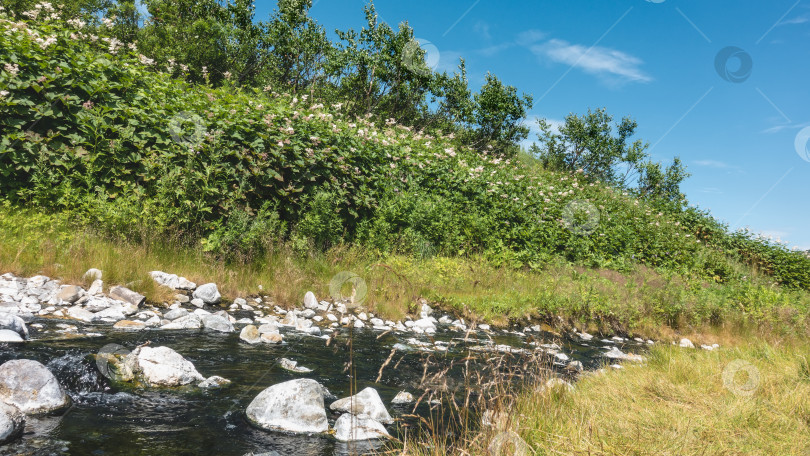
{"x":416,"y":365}
{"x":637,"y":302}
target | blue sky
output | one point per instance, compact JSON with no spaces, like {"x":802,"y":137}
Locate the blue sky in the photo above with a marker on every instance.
{"x":737,"y":117}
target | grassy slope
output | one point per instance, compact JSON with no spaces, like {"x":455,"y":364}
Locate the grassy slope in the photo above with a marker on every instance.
{"x":641,"y":302}
{"x":683,"y":402}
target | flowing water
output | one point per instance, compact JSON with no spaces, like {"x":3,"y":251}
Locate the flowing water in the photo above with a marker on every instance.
{"x":109,"y":420}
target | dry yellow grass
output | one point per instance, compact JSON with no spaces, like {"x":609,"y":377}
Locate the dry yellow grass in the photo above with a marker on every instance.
{"x":751,"y":400}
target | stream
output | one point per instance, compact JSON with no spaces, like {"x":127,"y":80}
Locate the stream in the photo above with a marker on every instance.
{"x":109,"y":420}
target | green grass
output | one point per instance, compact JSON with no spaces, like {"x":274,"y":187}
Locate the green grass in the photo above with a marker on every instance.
{"x":643,"y":301}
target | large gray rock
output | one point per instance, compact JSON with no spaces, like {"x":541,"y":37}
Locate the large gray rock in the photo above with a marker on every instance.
{"x":207,"y":293}
{"x":14,"y":323}
{"x":293,"y":406}
{"x":70,"y":294}
{"x":31,"y":387}
{"x":366,"y":403}
{"x":310,"y":301}
{"x":96,"y":288}
{"x":615,"y":353}
{"x":272,"y":338}
{"x":403,"y":397}
{"x":10,"y":337}
{"x":92,"y":274}
{"x":293,"y":366}
{"x":162,"y":366}
{"x":125,"y":294}
{"x":172,"y":281}
{"x":174,"y":314}
{"x":268,"y":328}
{"x":190,"y":321}
{"x":80,"y":313}
{"x":98,"y":304}
{"x":216,"y":323}
{"x":110,"y":315}
{"x":12,"y":422}
{"x":214,"y":381}
{"x":250,"y":335}
{"x":350,"y":428}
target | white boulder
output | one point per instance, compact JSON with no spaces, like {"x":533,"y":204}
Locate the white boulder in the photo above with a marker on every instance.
{"x":350,"y":428}
{"x":31,"y":387}
{"x":208,"y":293}
{"x":366,"y":403}
{"x":12,"y":422}
{"x":172,"y":281}
{"x":162,"y":366}
{"x":10,"y":337}
{"x":293,"y":406}
{"x":13,"y":323}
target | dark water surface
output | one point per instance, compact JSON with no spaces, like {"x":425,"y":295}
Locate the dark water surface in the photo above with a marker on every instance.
{"x":108,"y":420}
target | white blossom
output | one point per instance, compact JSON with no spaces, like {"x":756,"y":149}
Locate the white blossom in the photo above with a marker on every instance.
{"x":12,"y":69}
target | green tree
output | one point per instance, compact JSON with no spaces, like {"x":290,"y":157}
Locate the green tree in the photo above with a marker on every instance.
{"x":498,"y":114}
{"x":587,"y":144}
{"x":214,"y":40}
{"x":663,"y":185}
{"x":300,"y":51}
{"x":456,"y":104}
{"x":381,"y":71}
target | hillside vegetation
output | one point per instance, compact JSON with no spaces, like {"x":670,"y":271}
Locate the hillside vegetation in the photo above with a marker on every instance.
{"x":135,"y":151}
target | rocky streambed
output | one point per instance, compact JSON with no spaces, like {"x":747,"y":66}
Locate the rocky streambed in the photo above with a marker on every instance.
{"x":102,"y":372}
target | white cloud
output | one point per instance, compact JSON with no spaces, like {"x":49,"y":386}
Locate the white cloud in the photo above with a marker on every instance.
{"x":795,"y":20}
{"x":493,"y":50}
{"x":711,"y":190}
{"x":482,"y":29}
{"x":599,"y":61}
{"x":530,"y":37}
{"x":713,"y":164}
{"x":717,"y":164}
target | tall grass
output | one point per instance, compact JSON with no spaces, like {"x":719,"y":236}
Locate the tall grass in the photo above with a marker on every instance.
{"x":682,"y":402}
{"x":749,"y":400}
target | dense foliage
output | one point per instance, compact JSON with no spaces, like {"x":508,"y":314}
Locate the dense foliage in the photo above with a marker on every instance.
{"x":95,"y":128}
{"x":378,"y":70}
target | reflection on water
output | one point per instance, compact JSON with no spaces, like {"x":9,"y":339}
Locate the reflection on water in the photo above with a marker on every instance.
{"x":105,"y":420}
